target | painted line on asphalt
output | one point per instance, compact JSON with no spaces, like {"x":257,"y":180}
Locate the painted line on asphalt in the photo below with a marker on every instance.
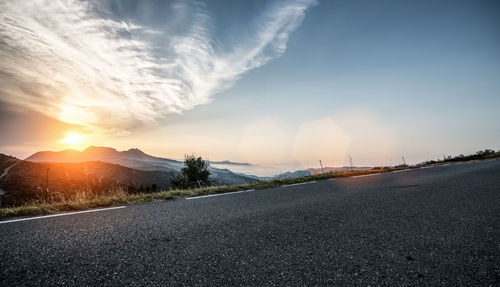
{"x":219,"y":194}
{"x":429,"y":166}
{"x":365,"y":175}
{"x":401,"y":170}
{"x":61,"y":214}
{"x":295,"y":184}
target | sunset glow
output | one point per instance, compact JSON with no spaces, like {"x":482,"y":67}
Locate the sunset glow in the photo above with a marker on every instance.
{"x":72,"y":139}
{"x":275,"y":82}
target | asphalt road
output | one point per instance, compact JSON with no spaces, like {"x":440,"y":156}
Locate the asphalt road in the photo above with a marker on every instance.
{"x":433,"y":226}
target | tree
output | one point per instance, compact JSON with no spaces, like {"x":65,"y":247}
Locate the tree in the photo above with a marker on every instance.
{"x":194,"y":174}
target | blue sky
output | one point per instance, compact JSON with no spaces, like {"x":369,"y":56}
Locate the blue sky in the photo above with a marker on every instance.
{"x":274,"y":82}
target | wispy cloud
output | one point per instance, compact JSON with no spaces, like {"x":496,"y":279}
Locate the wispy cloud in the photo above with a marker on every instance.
{"x":66,"y":60}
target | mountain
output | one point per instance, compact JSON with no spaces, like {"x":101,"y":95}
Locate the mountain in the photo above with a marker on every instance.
{"x":22,"y":180}
{"x":92,"y":153}
{"x":133,"y":158}
{"x":295,"y":174}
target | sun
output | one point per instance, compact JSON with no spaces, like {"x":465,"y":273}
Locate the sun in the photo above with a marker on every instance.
{"x":72,"y":138}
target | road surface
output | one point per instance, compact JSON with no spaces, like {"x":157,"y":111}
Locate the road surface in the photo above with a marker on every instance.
{"x":423,"y":227}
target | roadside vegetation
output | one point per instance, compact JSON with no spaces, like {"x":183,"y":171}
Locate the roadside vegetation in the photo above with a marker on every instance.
{"x":193,"y":181}
{"x":194,"y":174}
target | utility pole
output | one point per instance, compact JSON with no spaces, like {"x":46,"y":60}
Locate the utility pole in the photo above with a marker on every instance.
{"x":47,"y":182}
{"x":404,"y":161}
{"x":350,"y":161}
{"x":322,"y":170}
{"x":86,"y":177}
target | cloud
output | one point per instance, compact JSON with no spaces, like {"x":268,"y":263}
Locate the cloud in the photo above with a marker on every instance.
{"x":82,"y":66}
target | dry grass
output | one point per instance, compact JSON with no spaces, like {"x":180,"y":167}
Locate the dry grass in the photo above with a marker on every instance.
{"x":82,"y":200}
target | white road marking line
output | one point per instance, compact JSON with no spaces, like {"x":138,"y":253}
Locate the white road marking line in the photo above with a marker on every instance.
{"x":219,"y":194}
{"x":294,"y":184}
{"x":429,"y":166}
{"x":401,"y":170}
{"x":445,"y":164}
{"x":365,"y":175}
{"x":60,"y":214}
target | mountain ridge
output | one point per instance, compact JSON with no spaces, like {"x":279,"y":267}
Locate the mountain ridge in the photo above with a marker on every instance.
{"x":89,"y":153}
{"x":22,"y":180}
{"x":133,"y":158}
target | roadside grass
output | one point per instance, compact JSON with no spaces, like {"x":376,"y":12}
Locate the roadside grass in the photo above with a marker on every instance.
{"x":119,"y":196}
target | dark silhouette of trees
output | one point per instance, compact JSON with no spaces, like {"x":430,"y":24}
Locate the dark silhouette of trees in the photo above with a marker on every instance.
{"x":194,"y":174}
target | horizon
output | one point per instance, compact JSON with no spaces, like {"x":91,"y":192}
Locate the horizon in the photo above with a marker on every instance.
{"x":212,"y":162}
{"x":278,"y":83}
{"x":250,"y":169}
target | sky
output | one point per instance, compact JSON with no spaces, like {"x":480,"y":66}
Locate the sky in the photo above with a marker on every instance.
{"x":282,"y":83}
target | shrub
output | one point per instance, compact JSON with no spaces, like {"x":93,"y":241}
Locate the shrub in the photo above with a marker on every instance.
{"x":194,"y":174}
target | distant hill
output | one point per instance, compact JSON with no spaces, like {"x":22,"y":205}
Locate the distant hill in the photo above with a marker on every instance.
{"x":21,"y":180}
{"x":5,"y":162}
{"x":295,"y":174}
{"x":134,"y":158}
{"x":314,"y":171}
{"x":226,"y":162}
